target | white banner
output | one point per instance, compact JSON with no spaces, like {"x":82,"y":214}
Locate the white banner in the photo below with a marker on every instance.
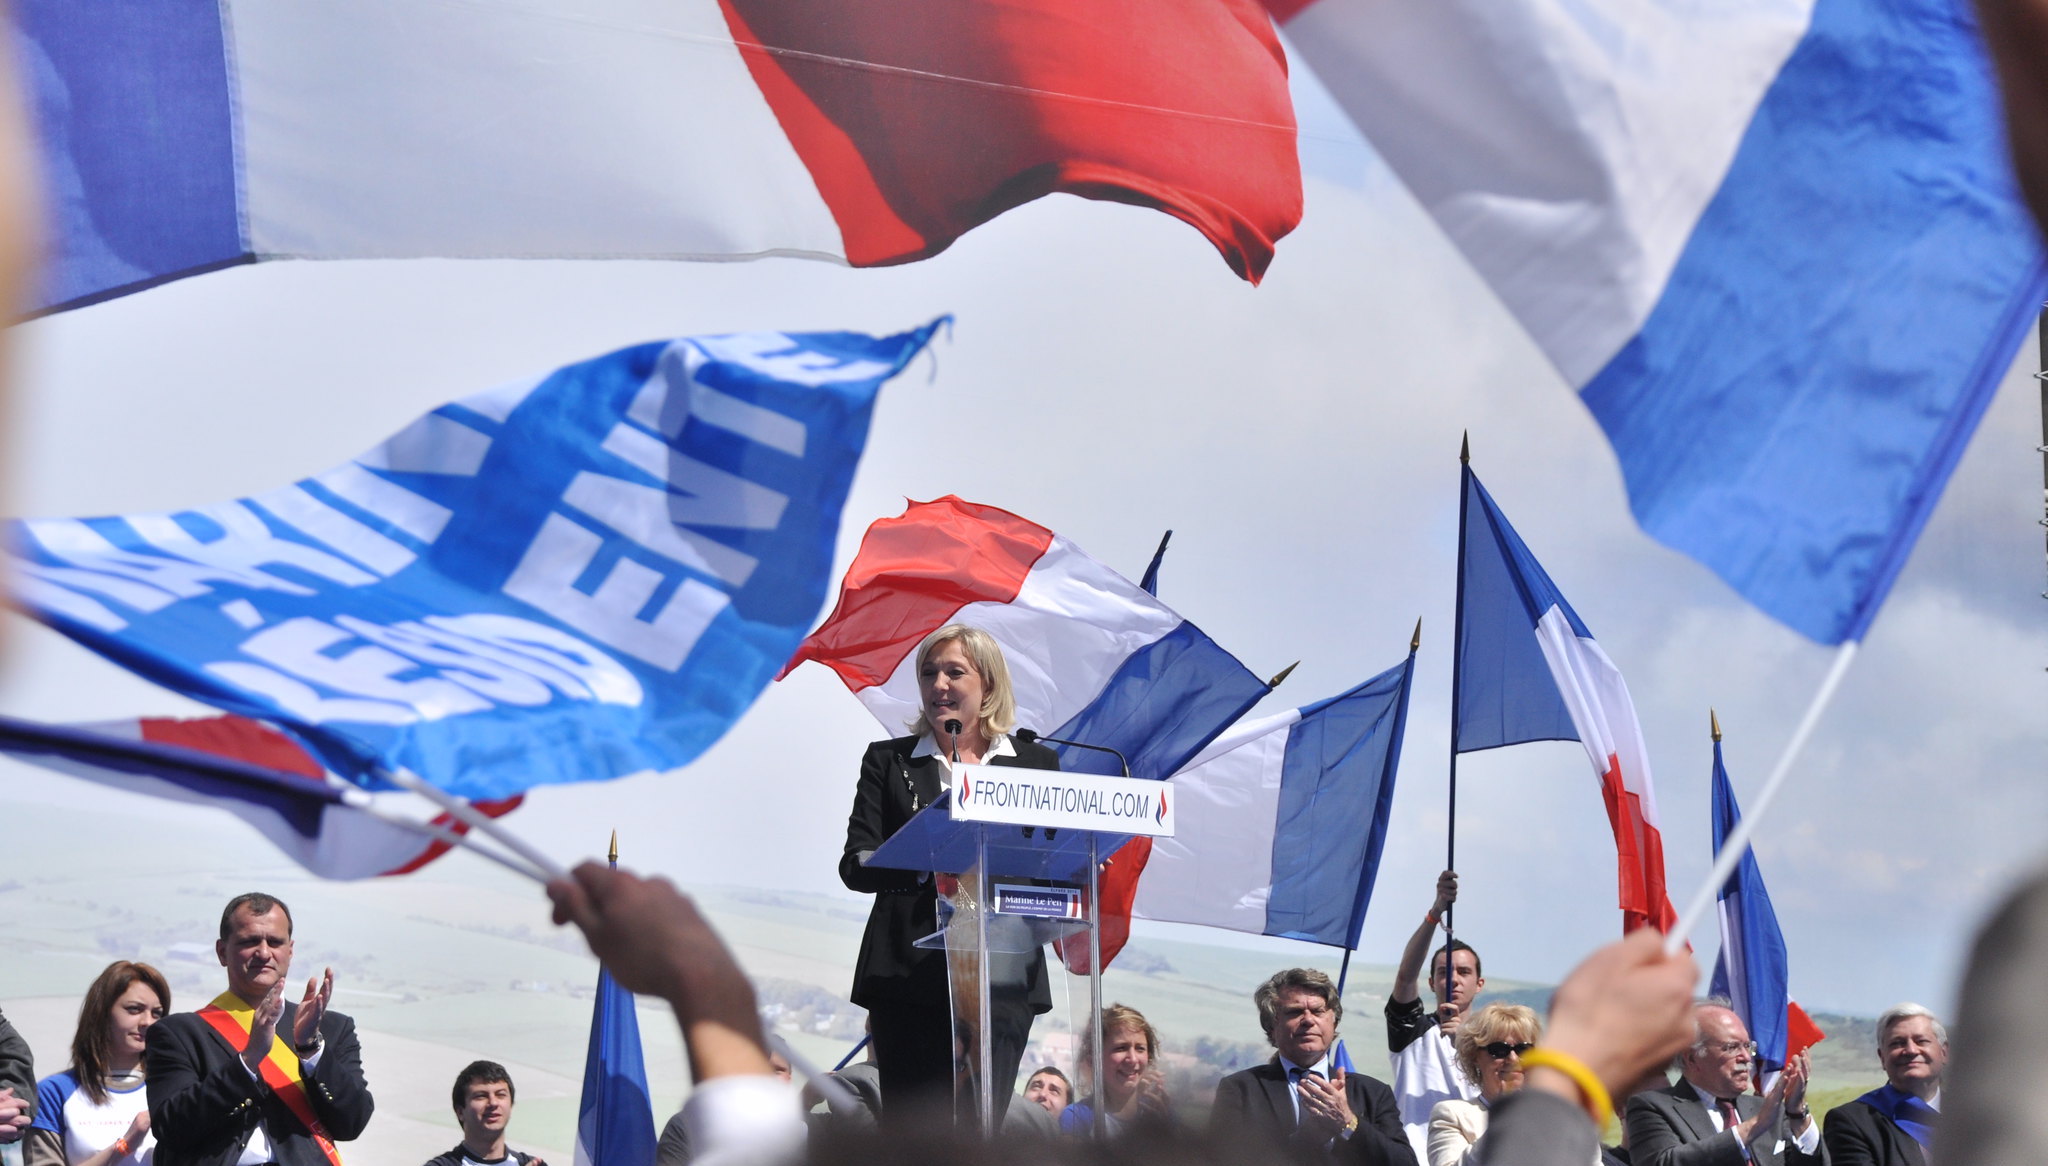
{"x":1062,"y":801}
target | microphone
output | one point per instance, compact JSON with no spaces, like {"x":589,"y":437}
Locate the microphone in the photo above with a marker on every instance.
{"x":952,"y":728}
{"x":1029,"y":735}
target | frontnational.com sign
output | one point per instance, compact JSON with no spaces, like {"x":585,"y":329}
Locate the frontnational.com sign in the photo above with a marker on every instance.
{"x":1062,"y":801}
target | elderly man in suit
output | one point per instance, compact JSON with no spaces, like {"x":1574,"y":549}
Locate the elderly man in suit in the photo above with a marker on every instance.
{"x":250,"y":1078}
{"x":1892,"y":1124}
{"x":1710,"y":1117}
{"x":1299,"y":1097}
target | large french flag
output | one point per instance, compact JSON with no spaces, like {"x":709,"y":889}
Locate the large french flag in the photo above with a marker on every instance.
{"x":1282,"y":820}
{"x":180,"y":136}
{"x":1528,"y":669}
{"x":1775,"y":245}
{"x":250,"y":770}
{"x":1092,"y":657}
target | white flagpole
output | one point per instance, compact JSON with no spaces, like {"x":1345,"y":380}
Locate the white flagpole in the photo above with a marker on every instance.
{"x":477,"y":820}
{"x":359,"y":800}
{"x":1738,"y":839}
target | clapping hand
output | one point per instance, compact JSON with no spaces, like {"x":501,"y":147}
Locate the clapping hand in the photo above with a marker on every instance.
{"x":312,"y":1010}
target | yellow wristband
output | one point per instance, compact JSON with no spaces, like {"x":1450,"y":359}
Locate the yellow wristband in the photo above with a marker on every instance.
{"x":120,"y":1147}
{"x":1592,"y":1094}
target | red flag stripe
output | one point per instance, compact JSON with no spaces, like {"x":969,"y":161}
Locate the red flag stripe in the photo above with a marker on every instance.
{"x":235,"y":737}
{"x":1639,"y":853}
{"x":1119,"y":883}
{"x":920,"y":119}
{"x":912,"y":574}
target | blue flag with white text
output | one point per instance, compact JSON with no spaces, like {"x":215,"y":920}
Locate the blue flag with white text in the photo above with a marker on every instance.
{"x":569,"y":578}
{"x":615,"y":1121}
{"x":1752,"y":970}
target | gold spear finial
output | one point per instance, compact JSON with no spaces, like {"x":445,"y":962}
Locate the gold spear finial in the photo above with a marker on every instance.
{"x":1465,"y":449}
{"x":613,"y":854}
{"x":1415,"y":641}
{"x":1275,"y":682}
{"x":1715,"y":720}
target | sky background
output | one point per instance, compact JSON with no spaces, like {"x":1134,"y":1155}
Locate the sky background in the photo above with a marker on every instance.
{"x":1108,"y":377}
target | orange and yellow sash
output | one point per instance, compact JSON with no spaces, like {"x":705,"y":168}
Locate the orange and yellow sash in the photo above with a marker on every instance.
{"x":230,"y":1016}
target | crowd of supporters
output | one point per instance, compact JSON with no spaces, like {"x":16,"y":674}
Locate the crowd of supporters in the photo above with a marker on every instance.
{"x":256,"y":1077}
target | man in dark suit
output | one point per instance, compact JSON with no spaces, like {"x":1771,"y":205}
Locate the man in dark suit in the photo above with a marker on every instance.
{"x":251,"y":1079}
{"x":1892,"y":1125}
{"x":1299,"y":1097}
{"x":1710,"y":1115}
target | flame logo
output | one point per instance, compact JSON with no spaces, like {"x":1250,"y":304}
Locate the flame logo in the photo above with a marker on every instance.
{"x":1160,"y":817}
{"x":966,"y":788}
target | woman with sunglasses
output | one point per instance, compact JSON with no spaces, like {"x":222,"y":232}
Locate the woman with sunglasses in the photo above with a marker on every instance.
{"x":1490,"y":1044}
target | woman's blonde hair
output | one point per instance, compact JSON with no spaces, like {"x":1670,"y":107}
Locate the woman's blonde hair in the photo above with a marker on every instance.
{"x":998,"y":702}
{"x":1513,"y":1023}
{"x":1116,"y":1018}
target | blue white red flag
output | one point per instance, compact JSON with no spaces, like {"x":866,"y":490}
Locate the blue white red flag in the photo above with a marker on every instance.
{"x":1282,"y":820}
{"x":571,"y":578}
{"x":1528,"y":669}
{"x":615,"y":1120}
{"x":182,"y":136}
{"x":1091,"y":656}
{"x":1775,"y":246}
{"x":1752,"y":971}
{"x":250,"y":770}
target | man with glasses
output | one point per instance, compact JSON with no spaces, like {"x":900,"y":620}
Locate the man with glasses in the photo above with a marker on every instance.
{"x":1710,"y":1117}
{"x":1300,"y":1098}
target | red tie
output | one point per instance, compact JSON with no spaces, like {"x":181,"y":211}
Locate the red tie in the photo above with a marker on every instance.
{"x":1729,"y":1117}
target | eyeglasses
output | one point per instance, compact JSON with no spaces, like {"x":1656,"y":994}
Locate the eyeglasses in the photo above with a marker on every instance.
{"x":1729,"y":1048}
{"x":1501,"y":1050}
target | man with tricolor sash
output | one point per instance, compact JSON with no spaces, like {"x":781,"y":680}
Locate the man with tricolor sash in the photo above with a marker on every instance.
{"x":251,"y":1079}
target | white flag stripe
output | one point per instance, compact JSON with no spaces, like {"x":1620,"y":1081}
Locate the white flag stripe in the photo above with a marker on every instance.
{"x":373,"y":128}
{"x":1217,"y":870}
{"x":1567,"y":149}
{"x":1073,"y":624}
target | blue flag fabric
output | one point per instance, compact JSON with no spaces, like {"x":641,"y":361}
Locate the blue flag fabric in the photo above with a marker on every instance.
{"x":1150,"y":583}
{"x":1506,"y":693}
{"x":1752,"y":969}
{"x":571,"y":578}
{"x":615,"y":1122}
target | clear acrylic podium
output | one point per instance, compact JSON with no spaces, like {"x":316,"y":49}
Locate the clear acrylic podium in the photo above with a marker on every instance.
{"x":1011,"y":823}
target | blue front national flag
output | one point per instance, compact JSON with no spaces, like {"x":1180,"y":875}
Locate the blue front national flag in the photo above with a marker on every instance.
{"x":570,"y":578}
{"x":615,"y":1122}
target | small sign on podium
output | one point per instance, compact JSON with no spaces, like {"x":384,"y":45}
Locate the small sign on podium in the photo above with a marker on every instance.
{"x":1049,"y":799}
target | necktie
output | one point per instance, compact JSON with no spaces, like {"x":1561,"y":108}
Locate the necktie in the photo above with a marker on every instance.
{"x":1294,"y":1077}
{"x":1729,"y":1117}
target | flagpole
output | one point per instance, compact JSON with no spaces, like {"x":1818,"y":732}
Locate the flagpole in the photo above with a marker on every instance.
{"x":359,"y":800}
{"x":1457,"y":641}
{"x":477,"y":819}
{"x":1365,"y":868}
{"x":1737,"y":842}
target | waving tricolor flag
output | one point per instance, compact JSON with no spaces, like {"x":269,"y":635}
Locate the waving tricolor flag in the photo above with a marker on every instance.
{"x":252,"y":771}
{"x":181,"y":136}
{"x":1528,"y":669}
{"x":1753,"y":970}
{"x":1092,"y":657}
{"x":1774,"y":245}
{"x":1282,"y":820}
